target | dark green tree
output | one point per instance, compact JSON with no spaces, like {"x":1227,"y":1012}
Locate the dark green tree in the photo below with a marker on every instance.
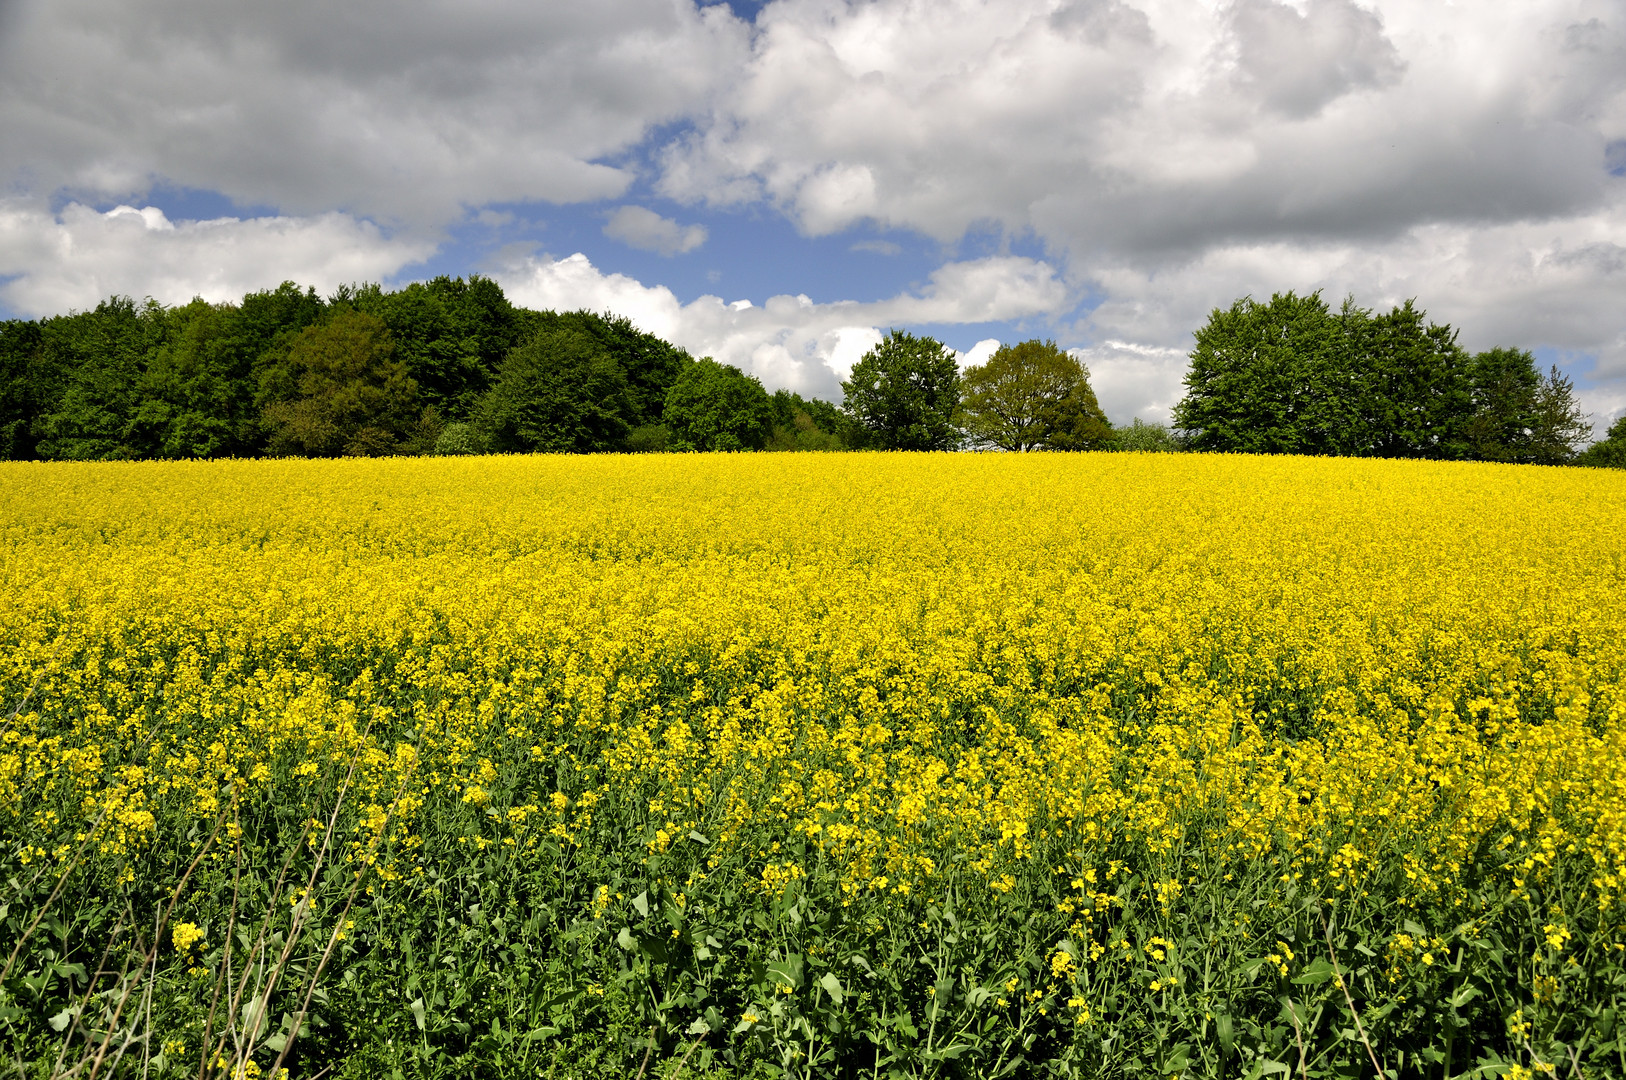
{"x":805,"y":423}
{"x":1610,"y":451}
{"x":28,"y":388}
{"x":272,"y":316}
{"x":717,"y":407}
{"x":197,"y":392}
{"x":1292,"y":377}
{"x":649,"y":364}
{"x":559,"y":392}
{"x":1416,"y":394}
{"x":102,"y":355}
{"x":1268,"y":378}
{"x":340,"y":390}
{"x":1503,"y":383}
{"x":451,"y":334}
{"x":904,"y":394}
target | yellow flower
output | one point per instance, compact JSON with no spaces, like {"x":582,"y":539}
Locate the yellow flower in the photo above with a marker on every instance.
{"x":185,"y":935}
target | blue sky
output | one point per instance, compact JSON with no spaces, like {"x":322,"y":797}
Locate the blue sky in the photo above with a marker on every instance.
{"x":775,"y":184}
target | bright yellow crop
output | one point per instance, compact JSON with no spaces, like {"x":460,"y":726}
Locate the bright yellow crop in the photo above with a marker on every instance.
{"x":1353,"y":667}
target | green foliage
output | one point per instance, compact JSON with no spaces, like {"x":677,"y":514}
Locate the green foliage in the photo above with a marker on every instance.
{"x":211,"y":380}
{"x":904,"y":394}
{"x":102,"y":355}
{"x":649,"y":364}
{"x":1504,"y":382}
{"x":1415,"y":394}
{"x":459,"y":439}
{"x":340,"y":389}
{"x":1558,"y":425}
{"x":449,"y":333}
{"x":27,"y":387}
{"x":715,"y":406}
{"x":1609,"y":452}
{"x":1292,"y":377}
{"x":649,"y":439}
{"x":1272,"y":379}
{"x":1143,"y":438}
{"x":559,"y":392}
{"x":197,"y":392}
{"x":1032,"y":396}
{"x":805,"y":424}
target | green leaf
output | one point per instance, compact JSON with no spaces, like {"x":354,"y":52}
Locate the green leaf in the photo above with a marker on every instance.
{"x":1318,"y":972}
{"x":61,"y":1019}
{"x":641,"y":904}
{"x":417,"y":1012}
{"x":624,"y":939}
{"x":832,"y":986}
{"x":1176,"y":1060}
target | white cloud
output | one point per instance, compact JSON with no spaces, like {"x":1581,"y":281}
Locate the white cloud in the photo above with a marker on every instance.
{"x":639,"y":227}
{"x":978,"y":353}
{"x":1157,"y":127}
{"x":399,"y":110}
{"x":1133,"y":381}
{"x":79,"y":257}
{"x":790,"y":341}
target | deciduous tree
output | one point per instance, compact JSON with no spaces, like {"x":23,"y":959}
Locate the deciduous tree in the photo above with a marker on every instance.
{"x":1032,"y":395}
{"x":340,"y":389}
{"x":716,"y":406}
{"x":904,"y":394}
{"x":561,"y":391}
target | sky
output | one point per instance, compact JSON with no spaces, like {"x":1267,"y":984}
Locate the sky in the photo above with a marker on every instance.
{"x":777,"y":184}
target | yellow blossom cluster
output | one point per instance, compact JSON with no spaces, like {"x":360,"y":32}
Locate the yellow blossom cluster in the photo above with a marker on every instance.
{"x":899,"y":665}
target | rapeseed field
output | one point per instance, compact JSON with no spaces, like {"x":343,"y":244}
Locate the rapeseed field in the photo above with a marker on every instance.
{"x":812,"y":765}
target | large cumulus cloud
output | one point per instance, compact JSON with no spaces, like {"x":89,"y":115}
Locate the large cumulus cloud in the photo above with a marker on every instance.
{"x":401,"y":111}
{"x":1162,"y":156}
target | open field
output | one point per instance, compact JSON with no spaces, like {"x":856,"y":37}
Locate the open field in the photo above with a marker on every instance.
{"x":810,"y":765}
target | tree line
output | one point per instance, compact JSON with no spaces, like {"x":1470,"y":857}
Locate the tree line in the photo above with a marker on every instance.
{"x":445,"y":366}
{"x":450,"y":366}
{"x":1292,"y":376}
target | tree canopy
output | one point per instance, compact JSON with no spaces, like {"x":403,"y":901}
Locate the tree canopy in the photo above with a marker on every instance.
{"x":287,"y":372}
{"x":451,"y":366}
{"x":1292,"y":377}
{"x":340,"y":389}
{"x":561,"y":391}
{"x":1610,"y":452}
{"x":716,"y":406}
{"x":1030,"y":396}
{"x":904,"y":394}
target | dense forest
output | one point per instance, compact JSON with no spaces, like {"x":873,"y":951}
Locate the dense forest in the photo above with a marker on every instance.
{"x":447,"y":366}
{"x":452,"y":367}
